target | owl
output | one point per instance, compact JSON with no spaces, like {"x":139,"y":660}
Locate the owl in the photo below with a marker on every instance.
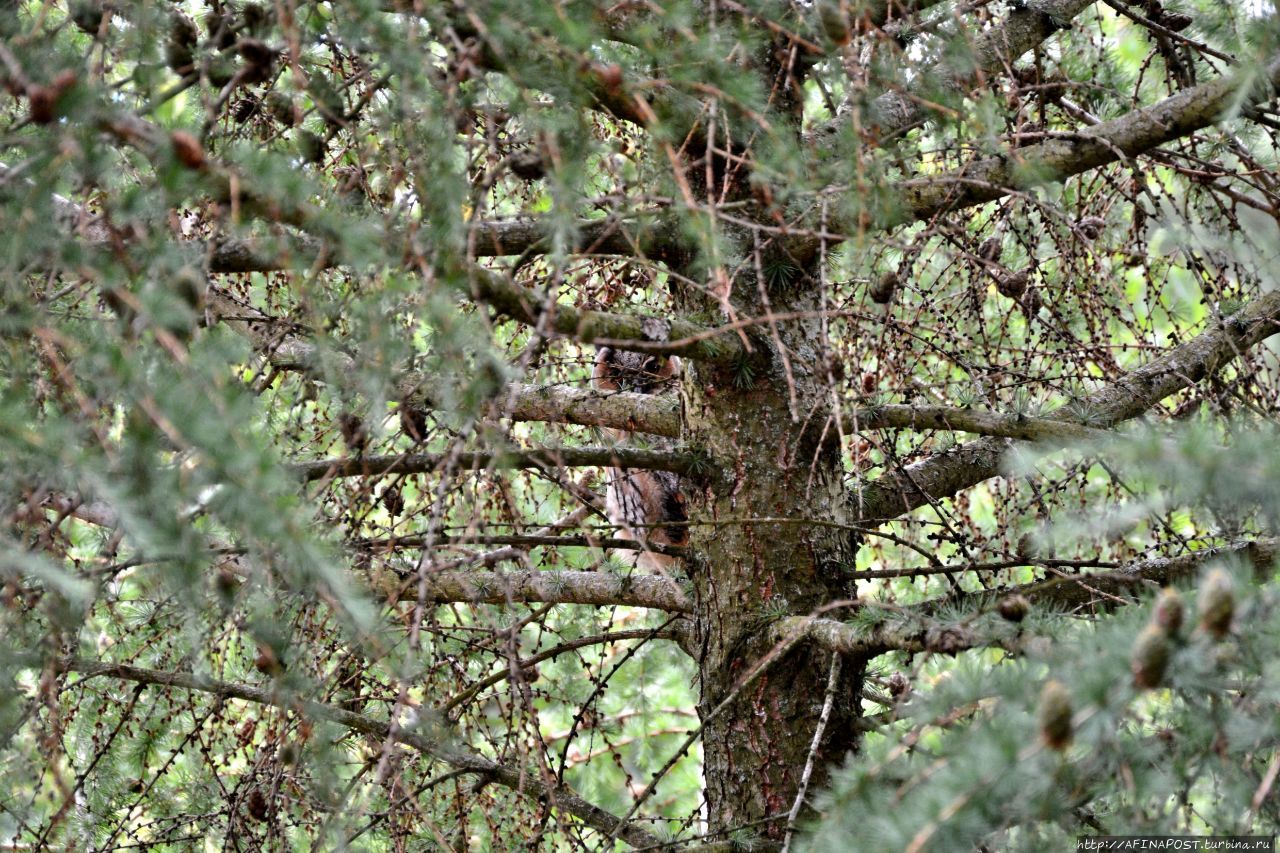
{"x":641,"y":373}
{"x":645,"y":506}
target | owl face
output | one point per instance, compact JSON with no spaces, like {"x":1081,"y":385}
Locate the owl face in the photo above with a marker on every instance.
{"x":638,"y":372}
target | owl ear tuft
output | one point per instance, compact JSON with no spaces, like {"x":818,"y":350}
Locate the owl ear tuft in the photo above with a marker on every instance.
{"x":604,"y":376}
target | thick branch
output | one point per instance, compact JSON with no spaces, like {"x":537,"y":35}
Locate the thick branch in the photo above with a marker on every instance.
{"x":830,"y":634}
{"x":68,"y":216}
{"x":1089,"y":592}
{"x":280,"y":346}
{"x":600,"y":589}
{"x":625,"y":410}
{"x":531,"y":540}
{"x":641,"y":334}
{"x":855,"y":642}
{"x":653,"y":237}
{"x":1071,"y":154}
{"x":546,"y":457}
{"x":648,"y":334}
{"x":1104,"y":590}
{"x":647,"y":413}
{"x":991,"y":53}
{"x":1129,"y":396}
{"x":968,"y":420}
{"x":529,"y":782}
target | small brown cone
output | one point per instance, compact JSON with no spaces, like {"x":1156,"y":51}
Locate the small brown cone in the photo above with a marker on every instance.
{"x":268,"y":662}
{"x":1150,"y":657}
{"x":1012,"y":284}
{"x":835,"y":21}
{"x":1216,"y":603}
{"x":1014,"y":607}
{"x":187,"y":149}
{"x":1169,"y":611}
{"x":883,"y":288}
{"x":1054,"y":715}
{"x":40,"y":104}
{"x":990,"y":248}
{"x":1090,"y":227}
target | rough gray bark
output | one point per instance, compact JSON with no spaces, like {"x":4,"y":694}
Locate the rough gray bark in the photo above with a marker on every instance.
{"x":968,"y":420}
{"x":746,"y":573}
{"x":566,"y":587}
{"x":773,"y":462}
{"x":755,"y":751}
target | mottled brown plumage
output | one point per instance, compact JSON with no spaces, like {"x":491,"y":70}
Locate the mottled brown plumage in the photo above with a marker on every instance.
{"x":645,"y":506}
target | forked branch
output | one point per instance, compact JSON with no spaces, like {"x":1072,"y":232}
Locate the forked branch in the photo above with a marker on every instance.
{"x":1127,"y":397}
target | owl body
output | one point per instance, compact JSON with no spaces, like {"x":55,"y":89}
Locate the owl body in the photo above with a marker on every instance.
{"x":645,"y":506}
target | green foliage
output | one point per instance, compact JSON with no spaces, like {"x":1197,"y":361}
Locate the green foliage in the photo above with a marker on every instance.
{"x":1171,"y":718}
{"x":743,"y":371}
{"x":241,"y":237}
{"x":1184,"y":759}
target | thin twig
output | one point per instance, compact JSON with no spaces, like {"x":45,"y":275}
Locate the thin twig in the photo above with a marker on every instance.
{"x":833,"y":679}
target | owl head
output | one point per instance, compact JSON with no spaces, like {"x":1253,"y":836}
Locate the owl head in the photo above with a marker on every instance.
{"x":642,"y":373}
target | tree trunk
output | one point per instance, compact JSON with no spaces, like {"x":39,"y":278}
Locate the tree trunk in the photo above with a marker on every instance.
{"x":765,"y":421}
{"x":778,"y":465}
